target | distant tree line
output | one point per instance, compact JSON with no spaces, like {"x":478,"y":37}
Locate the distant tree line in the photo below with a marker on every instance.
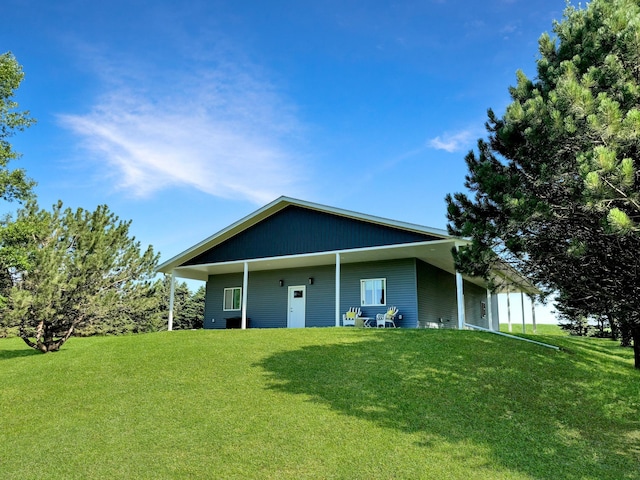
{"x":67,"y":272}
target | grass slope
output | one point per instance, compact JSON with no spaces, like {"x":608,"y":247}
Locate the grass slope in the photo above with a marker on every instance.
{"x":319,"y":403}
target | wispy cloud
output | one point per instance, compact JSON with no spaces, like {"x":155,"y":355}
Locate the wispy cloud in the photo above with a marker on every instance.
{"x":454,"y":142}
{"x":221,"y":130}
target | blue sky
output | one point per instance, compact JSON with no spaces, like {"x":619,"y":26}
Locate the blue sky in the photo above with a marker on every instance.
{"x":186,"y":116}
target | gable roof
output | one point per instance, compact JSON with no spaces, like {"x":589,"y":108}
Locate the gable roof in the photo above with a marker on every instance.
{"x":279,"y":205}
{"x":427,"y":244}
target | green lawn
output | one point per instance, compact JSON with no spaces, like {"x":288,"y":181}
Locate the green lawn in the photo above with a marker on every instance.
{"x":320,"y":403}
{"x":541,"y":329}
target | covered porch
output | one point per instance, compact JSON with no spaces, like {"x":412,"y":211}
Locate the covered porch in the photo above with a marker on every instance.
{"x":436,"y":253}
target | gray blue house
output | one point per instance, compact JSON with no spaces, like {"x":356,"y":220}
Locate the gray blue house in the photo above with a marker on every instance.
{"x":294,"y":263}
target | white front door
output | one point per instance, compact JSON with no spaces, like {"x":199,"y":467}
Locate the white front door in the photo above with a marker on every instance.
{"x":296,"y":306}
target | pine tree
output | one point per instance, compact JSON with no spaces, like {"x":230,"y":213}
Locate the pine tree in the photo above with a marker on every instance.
{"x":73,"y":270}
{"x":14,"y":184}
{"x":555,"y":187}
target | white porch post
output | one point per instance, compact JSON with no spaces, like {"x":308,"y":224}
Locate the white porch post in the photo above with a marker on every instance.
{"x":245,"y":282}
{"x":337,"y":289}
{"x":509,"y":309}
{"x":489,"y":312}
{"x":172,"y":294}
{"x":460,"y":298}
{"x":533,"y":313}
{"x":524,"y":328}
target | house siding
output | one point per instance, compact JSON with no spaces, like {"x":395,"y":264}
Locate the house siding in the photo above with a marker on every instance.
{"x":267,"y":301}
{"x":400,"y":278}
{"x":296,"y":230}
{"x":436,"y":297}
{"x":214,"y":316}
{"x":474,"y":296}
{"x":495,"y":316}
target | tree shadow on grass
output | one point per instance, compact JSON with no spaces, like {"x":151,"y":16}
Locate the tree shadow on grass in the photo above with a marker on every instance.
{"x":25,"y":352}
{"x":605,"y":346}
{"x":543,"y":413}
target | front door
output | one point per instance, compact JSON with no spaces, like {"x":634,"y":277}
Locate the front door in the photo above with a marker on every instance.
{"x":297,"y":306}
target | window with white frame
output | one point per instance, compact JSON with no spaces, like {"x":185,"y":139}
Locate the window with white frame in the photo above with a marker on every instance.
{"x":373,"y":292}
{"x":232,"y":298}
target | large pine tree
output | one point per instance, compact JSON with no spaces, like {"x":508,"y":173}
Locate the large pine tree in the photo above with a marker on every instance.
{"x":555,"y":187}
{"x":73,"y":269}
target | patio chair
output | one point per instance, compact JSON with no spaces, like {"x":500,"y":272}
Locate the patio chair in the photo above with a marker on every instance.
{"x":384,"y":319}
{"x":349,"y":318}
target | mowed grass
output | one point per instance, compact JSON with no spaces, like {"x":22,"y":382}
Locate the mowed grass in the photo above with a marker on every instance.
{"x":319,"y":404}
{"x":541,"y":329}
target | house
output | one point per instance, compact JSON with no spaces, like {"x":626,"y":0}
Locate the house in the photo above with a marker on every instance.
{"x":294,"y":263}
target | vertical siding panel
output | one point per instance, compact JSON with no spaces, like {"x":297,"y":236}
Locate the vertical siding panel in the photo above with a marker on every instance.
{"x":437,"y":296}
{"x":473,"y":298}
{"x":296,"y":230}
{"x":494,"y":312}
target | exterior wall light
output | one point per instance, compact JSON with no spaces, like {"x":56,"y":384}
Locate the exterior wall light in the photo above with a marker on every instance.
{"x":310,"y":280}
{"x":281,"y":282}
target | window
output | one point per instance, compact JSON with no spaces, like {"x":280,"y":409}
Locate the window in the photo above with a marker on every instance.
{"x":373,"y":292}
{"x":232,"y":298}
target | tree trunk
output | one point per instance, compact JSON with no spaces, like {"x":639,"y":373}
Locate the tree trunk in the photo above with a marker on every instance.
{"x":613,"y":323}
{"x":635,"y":332}
{"x":625,"y":334}
{"x":45,"y":341}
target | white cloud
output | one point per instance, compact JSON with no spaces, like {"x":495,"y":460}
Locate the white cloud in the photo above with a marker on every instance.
{"x":454,"y":142}
{"x":221,"y":131}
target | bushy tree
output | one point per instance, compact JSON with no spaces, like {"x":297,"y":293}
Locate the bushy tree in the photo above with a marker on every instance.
{"x":188,"y":307}
{"x":555,"y":187}
{"x":14,"y":184}
{"x":73,"y":270}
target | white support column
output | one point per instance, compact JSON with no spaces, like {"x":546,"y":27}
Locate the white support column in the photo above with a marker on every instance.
{"x":245,"y":282}
{"x":524,"y":328}
{"x":533,"y":313}
{"x":337,"y":289}
{"x":172,"y":295}
{"x":489,"y":311}
{"x":509,"y":310}
{"x":460,"y":298}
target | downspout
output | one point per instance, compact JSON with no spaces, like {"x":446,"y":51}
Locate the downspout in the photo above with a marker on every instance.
{"x":511,"y":336}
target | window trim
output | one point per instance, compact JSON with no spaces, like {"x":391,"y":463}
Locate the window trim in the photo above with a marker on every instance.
{"x":363,"y":297}
{"x":224,"y":297}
